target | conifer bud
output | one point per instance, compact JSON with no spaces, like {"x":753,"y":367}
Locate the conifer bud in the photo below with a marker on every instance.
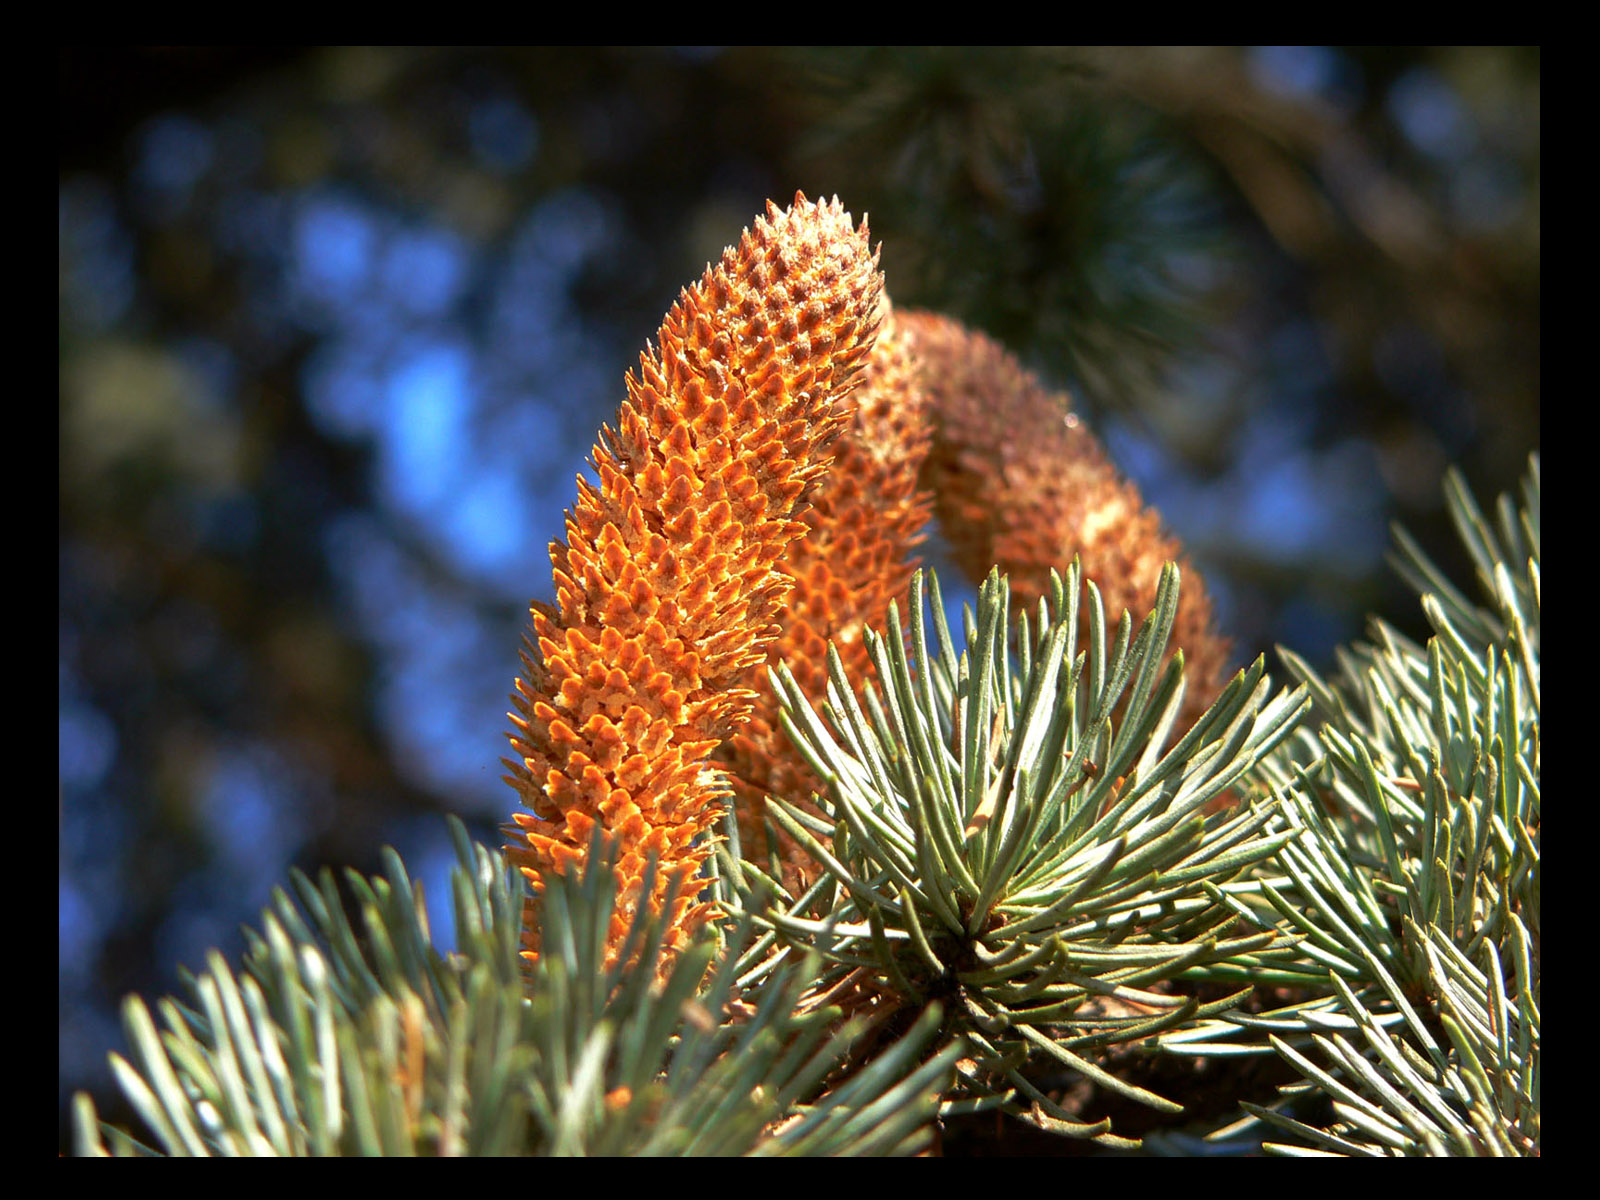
{"x":865,"y":519}
{"x":667,"y":592}
{"x":1022,"y":484}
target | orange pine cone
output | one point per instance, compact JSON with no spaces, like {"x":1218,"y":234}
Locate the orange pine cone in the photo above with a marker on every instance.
{"x":667,"y":592}
{"x":856,"y":556}
{"x":1022,"y":484}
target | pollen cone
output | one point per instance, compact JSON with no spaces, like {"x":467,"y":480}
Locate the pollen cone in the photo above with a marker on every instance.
{"x":856,"y":556}
{"x":667,"y":594}
{"x":1021,"y":483}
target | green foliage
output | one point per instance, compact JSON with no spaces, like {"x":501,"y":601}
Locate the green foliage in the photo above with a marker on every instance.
{"x":333,"y":1041}
{"x":1011,"y":840}
{"x":1011,"y":159}
{"x":1018,"y":875}
{"x":1469,"y":1085}
{"x":1412,"y":881}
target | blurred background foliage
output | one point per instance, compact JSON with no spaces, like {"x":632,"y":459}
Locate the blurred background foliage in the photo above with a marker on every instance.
{"x":336,"y":329}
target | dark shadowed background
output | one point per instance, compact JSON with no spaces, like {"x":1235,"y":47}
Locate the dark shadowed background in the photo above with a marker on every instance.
{"x":337,"y":329}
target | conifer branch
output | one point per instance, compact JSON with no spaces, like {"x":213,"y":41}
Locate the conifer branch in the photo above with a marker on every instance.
{"x":1015,"y":857}
{"x":327,"y":1042}
{"x":1411,"y":881}
{"x":1019,"y":843}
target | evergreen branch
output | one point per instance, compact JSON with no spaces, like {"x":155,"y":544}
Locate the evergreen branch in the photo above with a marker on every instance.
{"x":1028,"y":851}
{"x":329,"y":1045}
{"x":981,"y":856}
{"x":1412,"y":878}
{"x":1395,"y":1093}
